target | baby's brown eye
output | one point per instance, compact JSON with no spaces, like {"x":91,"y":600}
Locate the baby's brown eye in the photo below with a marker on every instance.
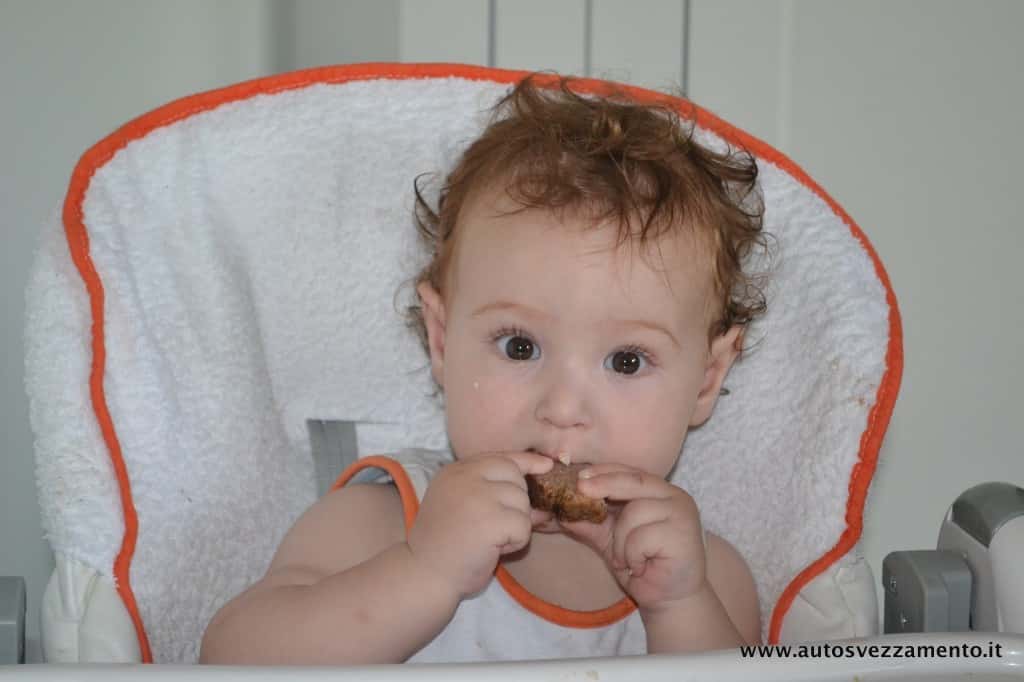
{"x":518,"y":348}
{"x":626,"y":362}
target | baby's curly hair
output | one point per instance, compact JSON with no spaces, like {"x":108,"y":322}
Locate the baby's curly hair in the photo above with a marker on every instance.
{"x":609,"y":157}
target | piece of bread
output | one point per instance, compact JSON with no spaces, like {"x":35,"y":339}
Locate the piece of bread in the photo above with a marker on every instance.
{"x":556,"y":492}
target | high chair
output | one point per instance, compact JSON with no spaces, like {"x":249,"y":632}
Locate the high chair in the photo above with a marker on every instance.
{"x":213,"y":333}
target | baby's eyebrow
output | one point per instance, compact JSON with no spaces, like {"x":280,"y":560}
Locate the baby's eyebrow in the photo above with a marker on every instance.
{"x":533,"y":312}
{"x":644,"y":324}
{"x":509,"y":305}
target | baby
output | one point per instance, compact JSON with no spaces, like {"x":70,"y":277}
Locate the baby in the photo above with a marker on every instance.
{"x":579,"y":306}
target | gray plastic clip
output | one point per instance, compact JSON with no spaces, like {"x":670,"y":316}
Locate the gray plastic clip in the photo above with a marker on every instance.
{"x":926,"y":591}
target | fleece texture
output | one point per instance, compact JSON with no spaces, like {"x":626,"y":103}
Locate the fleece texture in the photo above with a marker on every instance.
{"x":230,"y":266}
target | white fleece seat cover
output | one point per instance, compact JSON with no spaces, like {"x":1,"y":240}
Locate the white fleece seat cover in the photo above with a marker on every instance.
{"x":225,"y":270}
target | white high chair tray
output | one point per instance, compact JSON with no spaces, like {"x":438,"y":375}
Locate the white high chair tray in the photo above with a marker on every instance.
{"x":720,"y":666}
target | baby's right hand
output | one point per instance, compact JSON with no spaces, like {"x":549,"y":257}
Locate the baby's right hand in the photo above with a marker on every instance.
{"x":474,"y":511}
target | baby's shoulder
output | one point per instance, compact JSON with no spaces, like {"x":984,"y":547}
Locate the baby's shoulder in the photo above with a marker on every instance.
{"x":366,"y":510}
{"x":340,"y":530}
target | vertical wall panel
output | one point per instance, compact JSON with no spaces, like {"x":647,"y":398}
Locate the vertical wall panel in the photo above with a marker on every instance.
{"x":736,"y":53}
{"x":443,"y":31}
{"x":323,"y":32}
{"x":639,"y":42}
{"x":540,"y":34}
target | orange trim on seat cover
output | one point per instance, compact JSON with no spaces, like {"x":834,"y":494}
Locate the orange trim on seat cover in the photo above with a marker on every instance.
{"x":98,"y":155}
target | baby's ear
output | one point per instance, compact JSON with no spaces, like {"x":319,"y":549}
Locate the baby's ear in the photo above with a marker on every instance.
{"x":434,"y":317}
{"x":724,"y":351}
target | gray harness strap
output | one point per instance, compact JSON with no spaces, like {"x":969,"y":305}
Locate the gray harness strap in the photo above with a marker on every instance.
{"x":335,"y":447}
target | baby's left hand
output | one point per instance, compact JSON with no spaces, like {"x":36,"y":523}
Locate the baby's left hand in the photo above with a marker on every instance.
{"x":654,"y":545}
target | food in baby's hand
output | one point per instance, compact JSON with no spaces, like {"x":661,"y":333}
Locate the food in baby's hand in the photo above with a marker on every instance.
{"x":556,"y":492}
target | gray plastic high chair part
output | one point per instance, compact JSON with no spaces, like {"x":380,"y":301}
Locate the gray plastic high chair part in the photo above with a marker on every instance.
{"x":982,"y":510}
{"x":12,"y":620}
{"x":985,"y":526}
{"x":926,"y":591}
{"x":972,"y":581}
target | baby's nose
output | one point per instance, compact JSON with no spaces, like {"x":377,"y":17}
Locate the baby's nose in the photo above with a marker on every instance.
{"x":563,"y":410}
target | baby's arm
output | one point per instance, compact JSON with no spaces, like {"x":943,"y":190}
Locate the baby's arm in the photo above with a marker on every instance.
{"x":342,"y":588}
{"x":724,"y":614}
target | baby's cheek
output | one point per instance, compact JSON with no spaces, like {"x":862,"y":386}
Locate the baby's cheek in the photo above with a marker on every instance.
{"x":477,"y":414}
{"x":652,"y":441}
{"x":489,"y":407}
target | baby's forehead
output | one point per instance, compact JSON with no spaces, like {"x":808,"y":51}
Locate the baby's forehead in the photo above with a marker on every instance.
{"x":531,"y":248}
{"x":495,"y":217}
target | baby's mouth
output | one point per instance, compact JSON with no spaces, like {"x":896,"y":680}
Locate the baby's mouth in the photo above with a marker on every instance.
{"x":563,"y":456}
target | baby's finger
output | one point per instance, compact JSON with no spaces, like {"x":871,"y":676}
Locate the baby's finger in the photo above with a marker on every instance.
{"x":510,"y":494}
{"x":608,"y":468}
{"x":515,"y":532}
{"x":626,"y":485}
{"x":636,"y":514}
{"x":646,"y":543}
{"x":530,"y":462}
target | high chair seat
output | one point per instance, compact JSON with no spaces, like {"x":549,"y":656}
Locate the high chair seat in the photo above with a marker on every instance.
{"x":223,"y":275}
